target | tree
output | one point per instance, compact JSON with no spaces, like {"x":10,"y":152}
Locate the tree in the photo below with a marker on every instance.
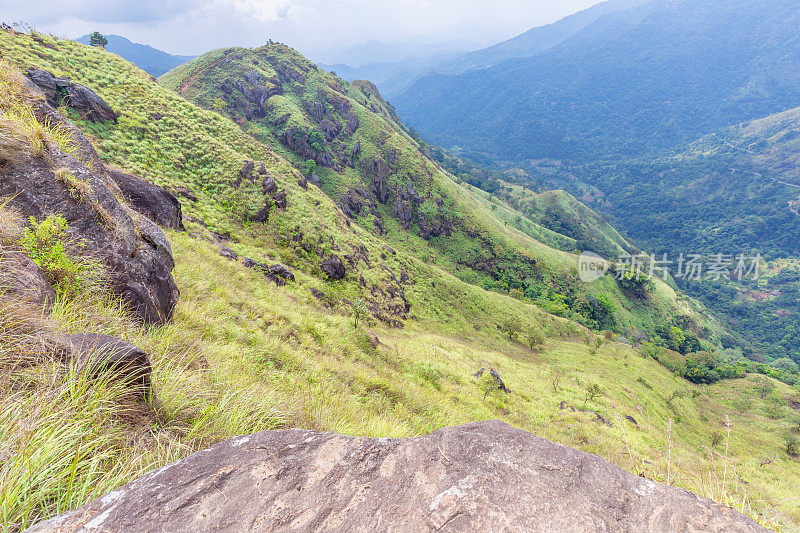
{"x":360,"y":310}
{"x":311,"y":166}
{"x":535,"y":338}
{"x":218,"y":104}
{"x":98,"y":39}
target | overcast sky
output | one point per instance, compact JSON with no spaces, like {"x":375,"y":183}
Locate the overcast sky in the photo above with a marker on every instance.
{"x":196,"y":26}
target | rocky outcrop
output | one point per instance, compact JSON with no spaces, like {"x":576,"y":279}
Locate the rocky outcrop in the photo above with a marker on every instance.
{"x":23,"y":282}
{"x":149,"y":200}
{"x":94,"y":354}
{"x":278,"y":274}
{"x":133,"y":249}
{"x":280,"y":199}
{"x":333,"y":267}
{"x":60,"y":91}
{"x":495,"y":378}
{"x":484,"y":476}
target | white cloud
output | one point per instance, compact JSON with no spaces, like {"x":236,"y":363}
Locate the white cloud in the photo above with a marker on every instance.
{"x":257,"y":10}
{"x":196,"y":26}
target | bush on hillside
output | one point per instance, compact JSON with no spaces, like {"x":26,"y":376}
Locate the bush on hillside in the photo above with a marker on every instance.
{"x":47,"y":244}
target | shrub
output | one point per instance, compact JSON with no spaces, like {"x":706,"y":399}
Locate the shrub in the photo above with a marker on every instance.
{"x":512,"y":327}
{"x":535,"y":338}
{"x":46,"y":243}
{"x":792,"y":444}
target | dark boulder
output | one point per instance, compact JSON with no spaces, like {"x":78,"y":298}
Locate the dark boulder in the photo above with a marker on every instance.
{"x":227,"y":253}
{"x":495,"y":377}
{"x":61,"y":91}
{"x":333,"y":267}
{"x":269,"y":186}
{"x":23,"y":282}
{"x":281,"y":272}
{"x":246,"y":169}
{"x":483,"y":476}
{"x":94,"y":355}
{"x":133,"y":249}
{"x":302,"y":182}
{"x":278,"y":274}
{"x":150,"y":200}
{"x":280,"y":199}
{"x":89,"y":104}
{"x":262,"y":215}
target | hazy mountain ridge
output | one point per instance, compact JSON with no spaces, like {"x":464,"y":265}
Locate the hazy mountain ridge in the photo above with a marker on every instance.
{"x":153,"y":61}
{"x":642,"y":80}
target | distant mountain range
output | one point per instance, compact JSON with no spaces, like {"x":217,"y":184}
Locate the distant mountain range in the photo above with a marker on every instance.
{"x":154,"y":62}
{"x":393,"y":68}
{"x":636,"y":80}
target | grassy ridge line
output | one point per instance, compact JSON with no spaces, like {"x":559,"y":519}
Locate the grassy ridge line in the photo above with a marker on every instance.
{"x":478,"y":237}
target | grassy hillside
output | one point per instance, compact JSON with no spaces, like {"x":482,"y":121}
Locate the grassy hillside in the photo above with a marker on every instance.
{"x":153,"y":61}
{"x":243,"y":355}
{"x":347,"y":137}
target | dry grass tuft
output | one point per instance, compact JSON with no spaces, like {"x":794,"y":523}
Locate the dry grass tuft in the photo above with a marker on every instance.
{"x":21,"y":132}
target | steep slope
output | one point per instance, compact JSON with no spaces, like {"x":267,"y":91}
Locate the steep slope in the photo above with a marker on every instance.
{"x":636,"y":81}
{"x":242,"y":355}
{"x":348,"y":139}
{"x":153,"y":61}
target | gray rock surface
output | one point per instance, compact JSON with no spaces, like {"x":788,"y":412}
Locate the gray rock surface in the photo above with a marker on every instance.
{"x":150,"y":200}
{"x":79,"y":97}
{"x":484,"y":476}
{"x":21,"y":280}
{"x":133,"y":249}
{"x":333,"y":267}
{"x":94,"y":354}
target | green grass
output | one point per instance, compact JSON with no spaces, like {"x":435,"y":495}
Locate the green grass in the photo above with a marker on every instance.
{"x":242,"y":356}
{"x":495,"y":246}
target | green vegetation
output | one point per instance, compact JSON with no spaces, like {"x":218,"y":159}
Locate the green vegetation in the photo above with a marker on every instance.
{"x":98,"y":39}
{"x":242,"y":355}
{"x":698,"y":66}
{"x":46,"y":244}
{"x":381,"y":176}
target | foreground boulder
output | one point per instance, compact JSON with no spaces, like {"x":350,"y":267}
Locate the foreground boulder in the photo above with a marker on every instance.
{"x":485,"y":476}
{"x":94,"y":354}
{"x":132,"y":248}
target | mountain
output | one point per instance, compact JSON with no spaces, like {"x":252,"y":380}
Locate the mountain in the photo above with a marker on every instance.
{"x":420,"y":47}
{"x":153,"y":61}
{"x":328,"y":288}
{"x":637,"y":81}
{"x":535,"y":40}
{"x":391,"y":78}
{"x":347,"y":138}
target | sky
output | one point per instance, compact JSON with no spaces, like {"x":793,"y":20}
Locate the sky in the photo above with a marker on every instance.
{"x":312,"y":26}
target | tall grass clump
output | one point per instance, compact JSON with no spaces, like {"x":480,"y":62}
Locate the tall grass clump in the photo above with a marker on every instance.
{"x":61,"y":443}
{"x":20,"y":129}
{"x":47,"y":243}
